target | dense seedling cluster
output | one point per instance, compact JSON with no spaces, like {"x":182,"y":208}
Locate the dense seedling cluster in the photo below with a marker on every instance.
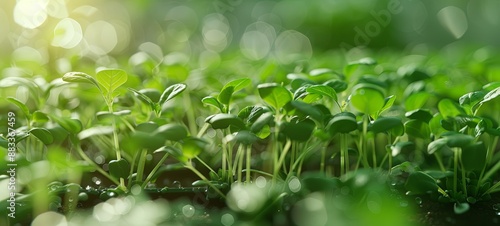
{"x":364,"y":133}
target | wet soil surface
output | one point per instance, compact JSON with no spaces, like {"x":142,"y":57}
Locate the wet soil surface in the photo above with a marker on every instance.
{"x":432,"y":213}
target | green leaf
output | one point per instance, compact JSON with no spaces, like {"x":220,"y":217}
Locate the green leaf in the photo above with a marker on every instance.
{"x":388,"y":124}
{"x":337,"y":85}
{"x":343,"y":122}
{"x":352,"y":66}
{"x":143,"y":97}
{"x":418,"y":129}
{"x":103,"y":115}
{"x":20,"y":105}
{"x":449,"y":109}
{"x":174,"y":132}
{"x":43,"y":135}
{"x":416,"y":100}
{"x":171,"y":92}
{"x":322,"y":90}
{"x":79,"y":77}
{"x":148,"y":127}
{"x":469,"y":100}
{"x":40,"y":117}
{"x":401,"y":146}
{"x":491,"y":95}
{"x":300,"y":131}
{"x":222,"y":121}
{"x":143,"y":140}
{"x":274,"y":94}
{"x":367,"y":100}
{"x":212,"y":101}
{"x":225,"y":95}
{"x":454,"y":139}
{"x":192,"y":147}
{"x":420,"y":183}
{"x":435,"y":125}
{"x":73,"y":126}
{"x":239,"y":84}
{"x":95,"y":131}
{"x":388,"y":102}
{"x":245,"y":137}
{"x":419,"y":114}
{"x":436,"y":145}
{"x":308,"y":110}
{"x":264,"y":119}
{"x":111,"y":79}
{"x":119,"y":168}
{"x":474,"y":156}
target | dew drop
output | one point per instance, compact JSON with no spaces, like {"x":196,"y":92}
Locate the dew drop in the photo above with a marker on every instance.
{"x":418,"y":200}
{"x":496,"y":207}
{"x":403,"y":203}
{"x":188,"y":210}
{"x":177,"y":184}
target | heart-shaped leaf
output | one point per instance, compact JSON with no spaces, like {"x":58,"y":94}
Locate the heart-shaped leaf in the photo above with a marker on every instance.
{"x":367,"y":100}
{"x":119,"y":168}
{"x":274,"y":94}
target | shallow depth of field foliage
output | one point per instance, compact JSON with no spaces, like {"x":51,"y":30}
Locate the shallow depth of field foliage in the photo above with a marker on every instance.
{"x":287,"y":112}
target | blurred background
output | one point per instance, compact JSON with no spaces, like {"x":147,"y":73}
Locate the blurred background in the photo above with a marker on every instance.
{"x":55,"y":32}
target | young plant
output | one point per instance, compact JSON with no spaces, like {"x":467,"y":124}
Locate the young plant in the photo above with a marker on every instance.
{"x":107,"y":81}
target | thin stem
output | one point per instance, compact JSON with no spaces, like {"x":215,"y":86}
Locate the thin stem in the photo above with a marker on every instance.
{"x":132,"y":165}
{"x":455,"y":170}
{"x":205,"y":164}
{"x":440,"y":162}
{"x":152,"y":173}
{"x":248,"y":158}
{"x":190,"y":114}
{"x":194,"y":170}
{"x":490,"y":172}
{"x":282,"y":157}
{"x":141,"y":165}
{"x":236,"y":163}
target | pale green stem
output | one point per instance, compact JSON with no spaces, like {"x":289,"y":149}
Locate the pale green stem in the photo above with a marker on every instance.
{"x":194,"y":170}
{"x":152,"y":173}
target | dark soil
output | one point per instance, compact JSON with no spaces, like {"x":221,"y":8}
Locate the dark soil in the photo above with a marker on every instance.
{"x":432,"y":213}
